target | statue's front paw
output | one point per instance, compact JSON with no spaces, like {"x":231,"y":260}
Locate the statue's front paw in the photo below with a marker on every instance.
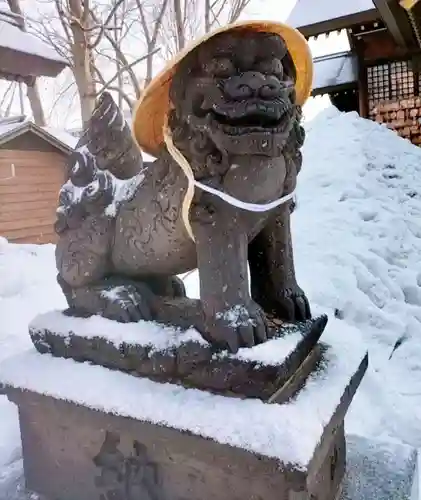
{"x":292,"y":304}
{"x":239,"y":326}
{"x":127,"y":303}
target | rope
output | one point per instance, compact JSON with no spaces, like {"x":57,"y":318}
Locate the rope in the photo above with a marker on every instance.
{"x":192,"y":183}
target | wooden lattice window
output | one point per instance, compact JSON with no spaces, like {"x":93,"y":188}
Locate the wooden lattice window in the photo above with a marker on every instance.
{"x":391,"y":81}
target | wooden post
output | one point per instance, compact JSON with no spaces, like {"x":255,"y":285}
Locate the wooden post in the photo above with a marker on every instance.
{"x":362,"y":88}
{"x":362,"y":79}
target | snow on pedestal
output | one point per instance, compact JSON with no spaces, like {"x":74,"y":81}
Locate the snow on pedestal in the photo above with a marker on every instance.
{"x":156,"y":336}
{"x":283,"y":432}
{"x":274,"y":370}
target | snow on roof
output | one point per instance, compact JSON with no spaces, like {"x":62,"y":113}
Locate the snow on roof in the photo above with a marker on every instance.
{"x":14,"y":38}
{"x":14,"y":126}
{"x":9,"y":124}
{"x":277,"y":431}
{"x":334,"y":70}
{"x":306,"y":13}
{"x":63,"y":136}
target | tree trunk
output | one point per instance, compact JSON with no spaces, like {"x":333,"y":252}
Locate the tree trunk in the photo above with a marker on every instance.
{"x":82,"y":62}
{"x":207,"y":16}
{"x":117,"y":61}
{"x":181,"y":42}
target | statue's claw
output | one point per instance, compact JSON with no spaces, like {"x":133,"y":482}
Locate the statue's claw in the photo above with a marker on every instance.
{"x":240,"y":326}
{"x":292,"y":304}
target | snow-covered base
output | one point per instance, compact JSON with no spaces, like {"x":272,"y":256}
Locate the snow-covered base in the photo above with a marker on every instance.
{"x":143,"y":332}
{"x":159,"y":337}
{"x":289,"y":432}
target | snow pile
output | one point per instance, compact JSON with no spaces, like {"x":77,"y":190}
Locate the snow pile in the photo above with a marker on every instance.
{"x":63,"y":136}
{"x":27,"y":287}
{"x":357,"y":237}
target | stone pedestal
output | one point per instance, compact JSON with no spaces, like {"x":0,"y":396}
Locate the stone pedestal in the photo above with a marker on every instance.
{"x":276,"y":370}
{"x":90,"y":433}
{"x":71,"y":452}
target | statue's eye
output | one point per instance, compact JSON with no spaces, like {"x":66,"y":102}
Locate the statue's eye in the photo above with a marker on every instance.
{"x":271,"y":67}
{"x":220,"y":67}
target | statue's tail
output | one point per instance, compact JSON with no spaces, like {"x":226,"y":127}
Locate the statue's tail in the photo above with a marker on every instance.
{"x":104,"y":155}
{"x":109,"y":140}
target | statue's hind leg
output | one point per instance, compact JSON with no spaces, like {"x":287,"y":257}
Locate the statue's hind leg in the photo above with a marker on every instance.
{"x":121,"y":299}
{"x":87,"y":281}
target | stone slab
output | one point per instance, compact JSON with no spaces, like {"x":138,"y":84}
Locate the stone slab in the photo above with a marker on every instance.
{"x":183,"y":357}
{"x":73,"y":452}
{"x":379,"y":470}
{"x":368,"y":475}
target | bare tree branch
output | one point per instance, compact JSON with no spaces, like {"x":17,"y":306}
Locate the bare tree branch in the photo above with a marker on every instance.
{"x":120,"y":54}
{"x":10,"y":89}
{"x":60,"y":95}
{"x":125,"y":68}
{"x":9,"y":107}
{"x":151,"y":40}
{"x":62,"y":18}
{"x":104,"y":25}
{"x":237,"y":8}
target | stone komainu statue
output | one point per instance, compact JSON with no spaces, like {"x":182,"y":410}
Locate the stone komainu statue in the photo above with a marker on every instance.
{"x":223,"y":121}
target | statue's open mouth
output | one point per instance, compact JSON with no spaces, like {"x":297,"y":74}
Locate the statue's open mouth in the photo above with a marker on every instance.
{"x":252,"y":116}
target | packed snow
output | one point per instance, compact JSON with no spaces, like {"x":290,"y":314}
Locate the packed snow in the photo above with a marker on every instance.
{"x":357,"y":242}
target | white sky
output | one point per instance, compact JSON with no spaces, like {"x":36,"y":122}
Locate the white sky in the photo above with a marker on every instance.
{"x":66,"y":116}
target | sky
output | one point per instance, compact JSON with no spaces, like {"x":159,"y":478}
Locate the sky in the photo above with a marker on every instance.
{"x":66,"y":116}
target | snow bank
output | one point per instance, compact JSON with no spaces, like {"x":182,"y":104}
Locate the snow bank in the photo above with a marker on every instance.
{"x":357,"y":237}
{"x":27,"y":287}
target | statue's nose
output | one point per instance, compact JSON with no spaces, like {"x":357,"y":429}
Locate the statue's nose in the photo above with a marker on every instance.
{"x":252,"y":84}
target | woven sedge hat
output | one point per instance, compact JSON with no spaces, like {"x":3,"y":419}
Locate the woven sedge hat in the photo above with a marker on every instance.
{"x":153,"y":107}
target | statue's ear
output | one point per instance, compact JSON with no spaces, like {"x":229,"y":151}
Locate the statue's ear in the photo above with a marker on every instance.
{"x":289,"y":67}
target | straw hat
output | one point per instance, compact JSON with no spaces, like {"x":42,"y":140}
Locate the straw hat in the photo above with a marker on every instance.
{"x":153,"y":107}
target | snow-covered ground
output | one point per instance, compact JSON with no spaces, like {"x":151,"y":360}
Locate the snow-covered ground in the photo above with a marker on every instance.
{"x":357,"y":241}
